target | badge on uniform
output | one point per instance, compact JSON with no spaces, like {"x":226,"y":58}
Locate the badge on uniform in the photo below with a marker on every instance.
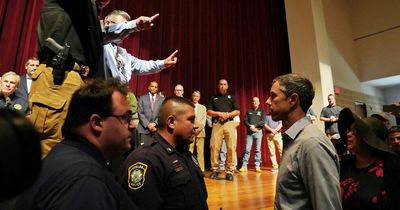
{"x":136,"y":175}
{"x":17,"y":106}
{"x":177,"y":165}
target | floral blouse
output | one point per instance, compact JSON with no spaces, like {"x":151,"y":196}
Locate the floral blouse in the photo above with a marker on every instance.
{"x":364,"y":188}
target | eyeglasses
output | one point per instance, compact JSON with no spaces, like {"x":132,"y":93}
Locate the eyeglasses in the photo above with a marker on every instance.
{"x":125,"y":119}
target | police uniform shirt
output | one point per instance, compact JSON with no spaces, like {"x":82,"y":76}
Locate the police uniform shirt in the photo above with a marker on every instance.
{"x":157,"y":176}
{"x":16,"y":103}
{"x":223,"y":103}
{"x":75,"y":176}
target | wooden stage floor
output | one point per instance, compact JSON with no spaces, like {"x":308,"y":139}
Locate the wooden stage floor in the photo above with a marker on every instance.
{"x":249,"y":190}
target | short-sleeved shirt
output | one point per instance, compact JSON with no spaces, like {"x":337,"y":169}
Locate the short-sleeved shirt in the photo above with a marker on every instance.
{"x":331,"y":127}
{"x":223,"y":103}
{"x":271,"y":123}
{"x":158,"y":176}
{"x":16,"y":103}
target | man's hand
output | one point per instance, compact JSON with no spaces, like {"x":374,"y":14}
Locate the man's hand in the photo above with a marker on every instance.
{"x":152,"y":127}
{"x":144,"y":22}
{"x":171,"y":60}
{"x":253,"y":128}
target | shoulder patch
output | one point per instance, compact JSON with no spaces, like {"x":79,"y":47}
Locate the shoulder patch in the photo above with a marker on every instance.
{"x":136,"y":175}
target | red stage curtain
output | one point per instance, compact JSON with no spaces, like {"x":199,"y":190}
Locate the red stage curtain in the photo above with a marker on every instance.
{"x":244,"y":42}
{"x":18,"y":38}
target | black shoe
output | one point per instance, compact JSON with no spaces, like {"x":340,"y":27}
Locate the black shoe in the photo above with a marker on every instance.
{"x":214,"y":175}
{"x":229,"y":177}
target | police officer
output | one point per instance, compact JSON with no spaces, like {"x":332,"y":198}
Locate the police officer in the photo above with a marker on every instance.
{"x":162,"y":173}
{"x":223,"y":107}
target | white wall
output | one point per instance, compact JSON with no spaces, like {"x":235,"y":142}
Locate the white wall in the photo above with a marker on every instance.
{"x":392,"y":94}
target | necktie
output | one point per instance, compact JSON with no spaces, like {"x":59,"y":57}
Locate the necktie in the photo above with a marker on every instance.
{"x":152,"y":100}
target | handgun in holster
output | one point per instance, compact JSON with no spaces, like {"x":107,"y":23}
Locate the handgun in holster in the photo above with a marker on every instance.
{"x":60,"y":61}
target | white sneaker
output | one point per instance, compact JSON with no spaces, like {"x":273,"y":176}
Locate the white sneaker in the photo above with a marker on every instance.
{"x":274,"y":169}
{"x":258,"y":169}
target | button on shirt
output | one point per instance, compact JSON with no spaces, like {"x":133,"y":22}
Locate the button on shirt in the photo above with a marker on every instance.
{"x":308,"y":176}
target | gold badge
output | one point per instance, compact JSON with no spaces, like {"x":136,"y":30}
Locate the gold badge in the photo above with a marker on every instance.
{"x":17,"y":106}
{"x":136,"y":175}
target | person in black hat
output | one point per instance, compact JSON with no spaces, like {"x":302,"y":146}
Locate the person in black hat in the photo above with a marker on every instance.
{"x":384,"y":117}
{"x":369,"y":177}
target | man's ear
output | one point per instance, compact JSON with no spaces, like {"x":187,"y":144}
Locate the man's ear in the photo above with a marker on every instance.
{"x":96,"y":122}
{"x":171,"y":121}
{"x":294,"y":99}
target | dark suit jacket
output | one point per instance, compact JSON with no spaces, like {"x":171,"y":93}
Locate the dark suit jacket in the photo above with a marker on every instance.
{"x":146,"y":114}
{"x":22,"y":91}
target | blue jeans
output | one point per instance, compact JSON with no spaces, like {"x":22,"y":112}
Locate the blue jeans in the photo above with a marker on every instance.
{"x":257,"y":136}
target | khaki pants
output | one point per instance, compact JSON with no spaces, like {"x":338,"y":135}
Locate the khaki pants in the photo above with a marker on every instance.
{"x":49,"y":104}
{"x":199,"y":144}
{"x":226,"y":131}
{"x":272,"y":141}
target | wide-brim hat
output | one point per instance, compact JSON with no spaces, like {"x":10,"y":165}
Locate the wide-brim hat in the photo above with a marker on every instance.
{"x":372,"y":131}
{"x":381,"y":116}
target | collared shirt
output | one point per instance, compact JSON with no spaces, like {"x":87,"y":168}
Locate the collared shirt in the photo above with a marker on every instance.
{"x":223,"y":103}
{"x":118,"y":61}
{"x":158,"y":176}
{"x":328,"y":111}
{"x":28,"y":83}
{"x":308,"y":175}
{"x":271,"y":123}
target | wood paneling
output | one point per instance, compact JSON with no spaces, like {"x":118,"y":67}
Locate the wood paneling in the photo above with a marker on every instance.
{"x":250,"y":190}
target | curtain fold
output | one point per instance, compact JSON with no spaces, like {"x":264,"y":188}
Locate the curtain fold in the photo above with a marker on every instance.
{"x":241,"y":41}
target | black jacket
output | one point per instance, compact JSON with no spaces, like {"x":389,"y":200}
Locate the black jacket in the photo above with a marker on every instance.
{"x":74,"y":176}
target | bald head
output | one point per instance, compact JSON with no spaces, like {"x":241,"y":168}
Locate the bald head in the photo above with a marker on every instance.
{"x":256,"y":102}
{"x":178,"y":90}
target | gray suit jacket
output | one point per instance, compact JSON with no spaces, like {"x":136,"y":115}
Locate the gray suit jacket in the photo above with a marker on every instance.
{"x":146,"y":114}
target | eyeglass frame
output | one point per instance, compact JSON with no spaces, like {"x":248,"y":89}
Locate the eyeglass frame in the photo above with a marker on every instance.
{"x":127,"y":116}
